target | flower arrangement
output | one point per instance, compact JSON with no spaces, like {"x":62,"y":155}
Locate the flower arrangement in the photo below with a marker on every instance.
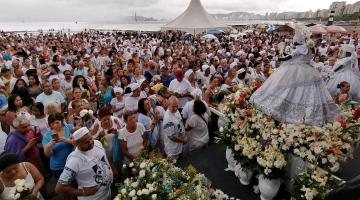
{"x":272,"y":162}
{"x":86,"y":117}
{"x":314,"y":184}
{"x":21,"y":190}
{"x":325,"y":146}
{"x":157,"y":178}
{"x":157,"y":87}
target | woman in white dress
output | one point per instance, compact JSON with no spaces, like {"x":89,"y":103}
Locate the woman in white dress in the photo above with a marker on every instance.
{"x":296,"y":93}
{"x":345,"y":69}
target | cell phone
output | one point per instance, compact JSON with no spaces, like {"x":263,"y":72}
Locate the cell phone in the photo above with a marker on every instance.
{"x":55,"y":136}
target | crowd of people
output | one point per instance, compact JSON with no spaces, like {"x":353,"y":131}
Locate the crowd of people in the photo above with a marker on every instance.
{"x":75,"y":107}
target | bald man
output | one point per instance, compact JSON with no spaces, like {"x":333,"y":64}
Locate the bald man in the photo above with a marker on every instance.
{"x":173,"y":130}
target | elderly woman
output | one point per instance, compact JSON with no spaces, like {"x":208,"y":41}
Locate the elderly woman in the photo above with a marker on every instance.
{"x":57,"y":142}
{"x":23,"y":141}
{"x":105,"y":129}
{"x":132,"y":137}
{"x":11,"y":169}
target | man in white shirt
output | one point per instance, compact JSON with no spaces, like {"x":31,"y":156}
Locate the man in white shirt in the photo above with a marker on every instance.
{"x":188,"y":110}
{"x":131,"y":102}
{"x":89,"y":166}
{"x":50,"y":96}
{"x":64,"y":66}
{"x":173,"y":130}
{"x":323,"y":48}
{"x":181,"y":87}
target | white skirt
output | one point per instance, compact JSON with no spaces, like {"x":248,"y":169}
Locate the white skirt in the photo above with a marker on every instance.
{"x":296,"y":94}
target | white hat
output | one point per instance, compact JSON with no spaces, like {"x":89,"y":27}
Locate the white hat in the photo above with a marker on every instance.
{"x":323,"y":42}
{"x":233,"y":64}
{"x":118,"y":90}
{"x":205,"y":67}
{"x":134,"y":86}
{"x":240,"y":71}
{"x":87,"y":56}
{"x":80,"y":133}
{"x":196,"y":92}
{"x":188,"y":73}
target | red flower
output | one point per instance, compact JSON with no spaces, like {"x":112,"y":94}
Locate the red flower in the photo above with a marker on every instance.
{"x":241,"y":102}
{"x":244,"y":94}
{"x":342,"y":121}
{"x":248,"y":113}
{"x":356,"y":114}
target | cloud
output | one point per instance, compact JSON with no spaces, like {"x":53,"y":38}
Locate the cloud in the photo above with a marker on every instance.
{"x":112,"y":10}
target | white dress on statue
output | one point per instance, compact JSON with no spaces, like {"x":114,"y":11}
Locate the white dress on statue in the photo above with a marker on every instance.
{"x":296,"y":93}
{"x":345,"y":70}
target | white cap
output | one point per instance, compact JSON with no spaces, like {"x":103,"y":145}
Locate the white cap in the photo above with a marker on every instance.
{"x":134,"y":86}
{"x":196,"y":92}
{"x":80,"y":133}
{"x":118,"y":90}
{"x":323,"y":42}
{"x":87,"y":56}
{"x":240,"y":71}
{"x":205,"y":67}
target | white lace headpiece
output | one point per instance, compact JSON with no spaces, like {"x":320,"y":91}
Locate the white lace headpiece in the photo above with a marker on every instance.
{"x":302,"y":33}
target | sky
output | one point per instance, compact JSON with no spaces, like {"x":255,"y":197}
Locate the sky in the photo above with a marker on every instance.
{"x":110,"y":10}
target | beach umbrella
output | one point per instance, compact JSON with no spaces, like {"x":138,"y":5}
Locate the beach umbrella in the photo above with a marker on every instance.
{"x":209,"y":37}
{"x":335,"y":29}
{"x":214,"y":31}
{"x":318,"y":29}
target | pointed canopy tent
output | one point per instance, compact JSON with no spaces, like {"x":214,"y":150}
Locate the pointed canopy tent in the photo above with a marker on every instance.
{"x":194,"y":20}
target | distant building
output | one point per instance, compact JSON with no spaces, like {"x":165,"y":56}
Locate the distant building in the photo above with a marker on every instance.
{"x":338,"y":7}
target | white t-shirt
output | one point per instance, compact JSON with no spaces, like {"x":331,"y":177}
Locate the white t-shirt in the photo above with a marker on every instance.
{"x":131,"y":103}
{"x":188,"y":109}
{"x":181,"y":87}
{"x":65,"y":67}
{"x":53,"y":97}
{"x":199,"y":134}
{"x":134,"y":141}
{"x":3,"y":137}
{"x":89,"y":169}
{"x":118,"y":105}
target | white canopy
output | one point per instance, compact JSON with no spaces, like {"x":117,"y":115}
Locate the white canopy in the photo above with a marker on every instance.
{"x":194,"y":20}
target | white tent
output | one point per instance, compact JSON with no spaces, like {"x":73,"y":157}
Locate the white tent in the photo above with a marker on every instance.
{"x":194,"y":20}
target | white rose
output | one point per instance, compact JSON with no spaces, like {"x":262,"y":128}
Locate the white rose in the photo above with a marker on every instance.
{"x":142,"y":165}
{"x":124,"y":166}
{"x":154,"y":196}
{"x":145,"y":191}
{"x":132,"y":193}
{"x":91,"y":112}
{"x":131,"y":164}
{"x":83,"y":113}
{"x":237,"y":147}
{"x":19,"y":188}
{"x":139,"y":193}
{"x":17,"y":196}
{"x":123,"y":191}
{"x":221,"y":129}
{"x":134,"y":184}
{"x":142,"y":173}
{"x":151,"y":188}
